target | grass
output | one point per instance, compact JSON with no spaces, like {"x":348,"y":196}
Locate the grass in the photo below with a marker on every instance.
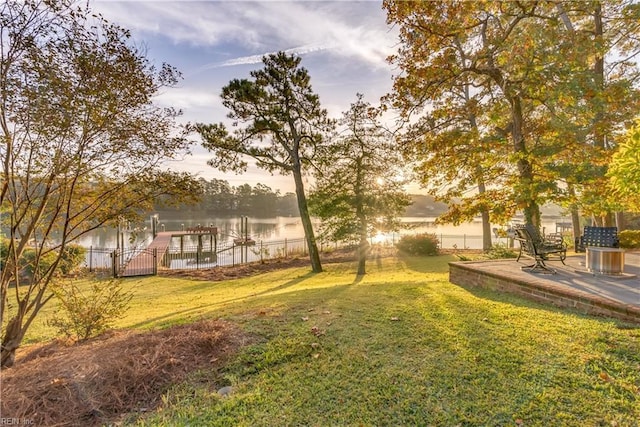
{"x":398,"y":346}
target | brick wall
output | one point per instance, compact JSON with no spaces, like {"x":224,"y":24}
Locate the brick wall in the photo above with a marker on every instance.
{"x":463,"y":274}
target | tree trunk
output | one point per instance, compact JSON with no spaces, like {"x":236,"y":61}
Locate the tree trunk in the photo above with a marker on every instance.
{"x":575,"y":226}
{"x":314,"y":254}
{"x":620,"y":221}
{"x":17,"y":326}
{"x":363,"y":250}
{"x":575,"y":218}
{"x":363,"y":247}
{"x":526,"y":197}
{"x":486,"y":231}
{"x":609,"y":219}
{"x":11,"y":341}
{"x":486,"y":225}
{"x":599,"y":135}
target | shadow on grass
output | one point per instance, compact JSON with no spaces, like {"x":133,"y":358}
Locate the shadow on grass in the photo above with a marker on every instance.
{"x":427,"y":264}
{"x":205,"y":310}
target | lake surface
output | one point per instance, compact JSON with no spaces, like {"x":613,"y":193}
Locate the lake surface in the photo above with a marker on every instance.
{"x":468,"y":235}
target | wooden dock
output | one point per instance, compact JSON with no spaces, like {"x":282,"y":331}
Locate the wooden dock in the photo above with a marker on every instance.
{"x":143,"y":263}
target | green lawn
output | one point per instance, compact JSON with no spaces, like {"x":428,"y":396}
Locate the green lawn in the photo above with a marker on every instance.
{"x":399,"y":346}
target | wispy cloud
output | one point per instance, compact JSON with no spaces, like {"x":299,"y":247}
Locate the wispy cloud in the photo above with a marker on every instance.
{"x":345,"y":43}
{"x":256,"y":59}
{"x":350,"y":29}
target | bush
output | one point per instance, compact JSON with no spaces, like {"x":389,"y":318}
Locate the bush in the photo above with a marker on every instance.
{"x":500,"y":251}
{"x":419,"y":244}
{"x":72,"y":257}
{"x":4,"y":251}
{"x":629,"y":239}
{"x":28,"y":260}
{"x":82,"y":316}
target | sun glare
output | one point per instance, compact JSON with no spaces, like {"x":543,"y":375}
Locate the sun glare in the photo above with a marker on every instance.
{"x":380,"y":237}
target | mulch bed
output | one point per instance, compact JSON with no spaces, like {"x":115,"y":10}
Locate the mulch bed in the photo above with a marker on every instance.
{"x":245,"y":270}
{"x":99,"y":381}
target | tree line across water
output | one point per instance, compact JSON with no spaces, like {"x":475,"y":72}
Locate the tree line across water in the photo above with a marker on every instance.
{"x":218,"y":197}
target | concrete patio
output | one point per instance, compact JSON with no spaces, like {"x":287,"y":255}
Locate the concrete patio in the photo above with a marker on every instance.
{"x":572,"y":286}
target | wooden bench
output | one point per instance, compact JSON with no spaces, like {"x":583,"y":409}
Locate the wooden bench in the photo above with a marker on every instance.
{"x":539,"y":248}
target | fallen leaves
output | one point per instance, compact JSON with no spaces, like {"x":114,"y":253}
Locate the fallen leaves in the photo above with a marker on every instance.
{"x":605,"y":377}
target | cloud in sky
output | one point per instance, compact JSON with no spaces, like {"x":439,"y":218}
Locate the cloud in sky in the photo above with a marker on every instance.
{"x":355,"y":29}
{"x":257,"y":59}
{"x":344,"y":45}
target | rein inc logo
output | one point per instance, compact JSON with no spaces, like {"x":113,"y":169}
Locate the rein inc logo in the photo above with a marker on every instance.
{"x":16,"y":422}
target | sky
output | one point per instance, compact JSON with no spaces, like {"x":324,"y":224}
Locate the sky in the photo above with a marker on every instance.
{"x":343,"y":45}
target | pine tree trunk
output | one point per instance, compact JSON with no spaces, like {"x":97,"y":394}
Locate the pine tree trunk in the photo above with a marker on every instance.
{"x":314,"y":254}
{"x":363,"y":249}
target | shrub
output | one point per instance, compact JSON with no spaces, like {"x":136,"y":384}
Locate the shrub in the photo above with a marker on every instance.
{"x":499,"y":251}
{"x":82,"y":316}
{"x":72,"y":257}
{"x":29,"y":259}
{"x":4,"y":251}
{"x":629,"y":239}
{"x":419,"y":244}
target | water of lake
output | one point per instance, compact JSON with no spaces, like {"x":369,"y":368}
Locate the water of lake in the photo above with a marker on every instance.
{"x":468,"y":235}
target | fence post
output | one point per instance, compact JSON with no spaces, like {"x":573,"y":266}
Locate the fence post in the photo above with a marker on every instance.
{"x":261,"y":259}
{"x":114,"y":263}
{"x":90,"y":258}
{"x":285,"y":248}
{"x":155,"y":261}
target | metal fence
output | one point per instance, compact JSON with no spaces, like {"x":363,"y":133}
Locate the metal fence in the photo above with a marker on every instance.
{"x":121,"y":263}
{"x":99,"y":259}
{"x":196,"y":256}
{"x":135,"y":262}
{"x":208,"y":255}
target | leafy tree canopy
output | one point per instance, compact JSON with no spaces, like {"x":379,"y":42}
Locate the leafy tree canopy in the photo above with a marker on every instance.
{"x":359,"y":180}
{"x":525,"y":98}
{"x":82,"y":141}
{"x":624,"y":171}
